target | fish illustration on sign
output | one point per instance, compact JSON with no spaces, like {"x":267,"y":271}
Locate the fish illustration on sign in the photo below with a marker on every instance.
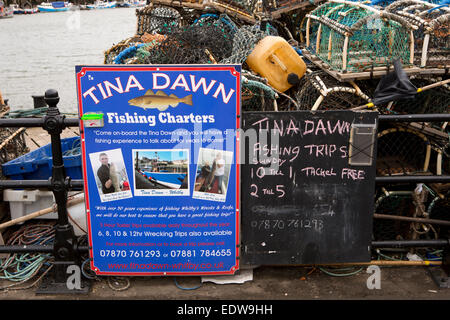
{"x":159,"y":100}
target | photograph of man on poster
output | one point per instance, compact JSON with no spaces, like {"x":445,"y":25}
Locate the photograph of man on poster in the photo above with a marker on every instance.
{"x":110,"y":175}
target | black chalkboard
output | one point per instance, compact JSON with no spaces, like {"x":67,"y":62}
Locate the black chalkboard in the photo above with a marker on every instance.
{"x":317,"y":205}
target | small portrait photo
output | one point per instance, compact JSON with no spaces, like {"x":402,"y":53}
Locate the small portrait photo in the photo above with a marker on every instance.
{"x":161,"y":172}
{"x":110,"y":175}
{"x":212,"y":175}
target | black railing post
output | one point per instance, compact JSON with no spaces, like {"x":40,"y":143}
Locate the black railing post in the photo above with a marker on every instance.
{"x":64,"y":248}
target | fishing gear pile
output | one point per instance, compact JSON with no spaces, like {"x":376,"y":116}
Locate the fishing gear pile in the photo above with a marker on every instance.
{"x":13,"y":143}
{"x":21,"y":268}
{"x":387,"y":56}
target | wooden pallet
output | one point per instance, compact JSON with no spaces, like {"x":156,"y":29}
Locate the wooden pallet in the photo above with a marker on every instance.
{"x":377,"y":72}
{"x":290,"y":6}
{"x":38,"y":137}
{"x":180,"y":4}
{"x":233,"y":11}
{"x":204,"y":6}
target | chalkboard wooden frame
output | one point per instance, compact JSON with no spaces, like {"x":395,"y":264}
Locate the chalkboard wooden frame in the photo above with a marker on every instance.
{"x":315,"y":207}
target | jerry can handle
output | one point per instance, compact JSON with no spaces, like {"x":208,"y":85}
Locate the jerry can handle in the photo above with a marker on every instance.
{"x":279,"y":62}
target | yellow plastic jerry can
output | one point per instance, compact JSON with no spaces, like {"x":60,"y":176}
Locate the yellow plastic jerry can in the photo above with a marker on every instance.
{"x":275,"y":59}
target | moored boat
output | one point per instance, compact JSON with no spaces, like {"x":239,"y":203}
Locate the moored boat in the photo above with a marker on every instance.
{"x":167,"y":179}
{"x":16,"y":9}
{"x":30,"y":10}
{"x":55,"y":6}
{"x":100,"y":4}
{"x":167,"y":174}
{"x":26,"y":9}
{"x":132,"y":3}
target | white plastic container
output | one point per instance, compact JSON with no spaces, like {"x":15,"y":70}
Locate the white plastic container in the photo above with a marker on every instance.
{"x":24,"y":202}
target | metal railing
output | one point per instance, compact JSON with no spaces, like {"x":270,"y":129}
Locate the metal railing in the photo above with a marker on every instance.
{"x":65,"y":248}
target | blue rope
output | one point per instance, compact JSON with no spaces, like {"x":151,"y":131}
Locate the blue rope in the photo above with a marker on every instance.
{"x":229,"y":23}
{"x":438,"y":7}
{"x":127,"y":53}
{"x":183,"y":288}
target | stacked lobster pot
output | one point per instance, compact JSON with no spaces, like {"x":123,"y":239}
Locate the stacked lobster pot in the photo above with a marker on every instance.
{"x":320,"y":91}
{"x":354,"y":41}
{"x":351,"y":46}
{"x":432,"y":35}
{"x":344,"y":48}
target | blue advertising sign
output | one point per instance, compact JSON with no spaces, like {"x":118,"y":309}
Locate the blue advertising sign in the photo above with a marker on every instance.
{"x":161,"y":180}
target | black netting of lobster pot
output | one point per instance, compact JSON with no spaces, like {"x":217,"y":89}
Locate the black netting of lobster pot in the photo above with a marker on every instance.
{"x":398,"y":203}
{"x":431,"y":33}
{"x":244,"y":41}
{"x":13,"y":145}
{"x":320,"y":91}
{"x":200,"y":43}
{"x":446,"y":159}
{"x":151,"y":19}
{"x":439,"y":46}
{"x":402,"y":151}
{"x":435,"y":100}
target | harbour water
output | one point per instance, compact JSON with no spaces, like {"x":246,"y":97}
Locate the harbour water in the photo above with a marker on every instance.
{"x":40,"y":51}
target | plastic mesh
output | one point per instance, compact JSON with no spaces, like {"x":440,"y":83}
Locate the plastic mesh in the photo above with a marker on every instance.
{"x":401,"y":151}
{"x":397,"y":203}
{"x":245,"y":40}
{"x":256,"y":94}
{"x":435,"y":100}
{"x":373,"y":40}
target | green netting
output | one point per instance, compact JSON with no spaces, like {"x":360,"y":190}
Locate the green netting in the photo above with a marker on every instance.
{"x":374,"y":38}
{"x":378,"y":44}
{"x":257,"y":96}
{"x":403,"y":201}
